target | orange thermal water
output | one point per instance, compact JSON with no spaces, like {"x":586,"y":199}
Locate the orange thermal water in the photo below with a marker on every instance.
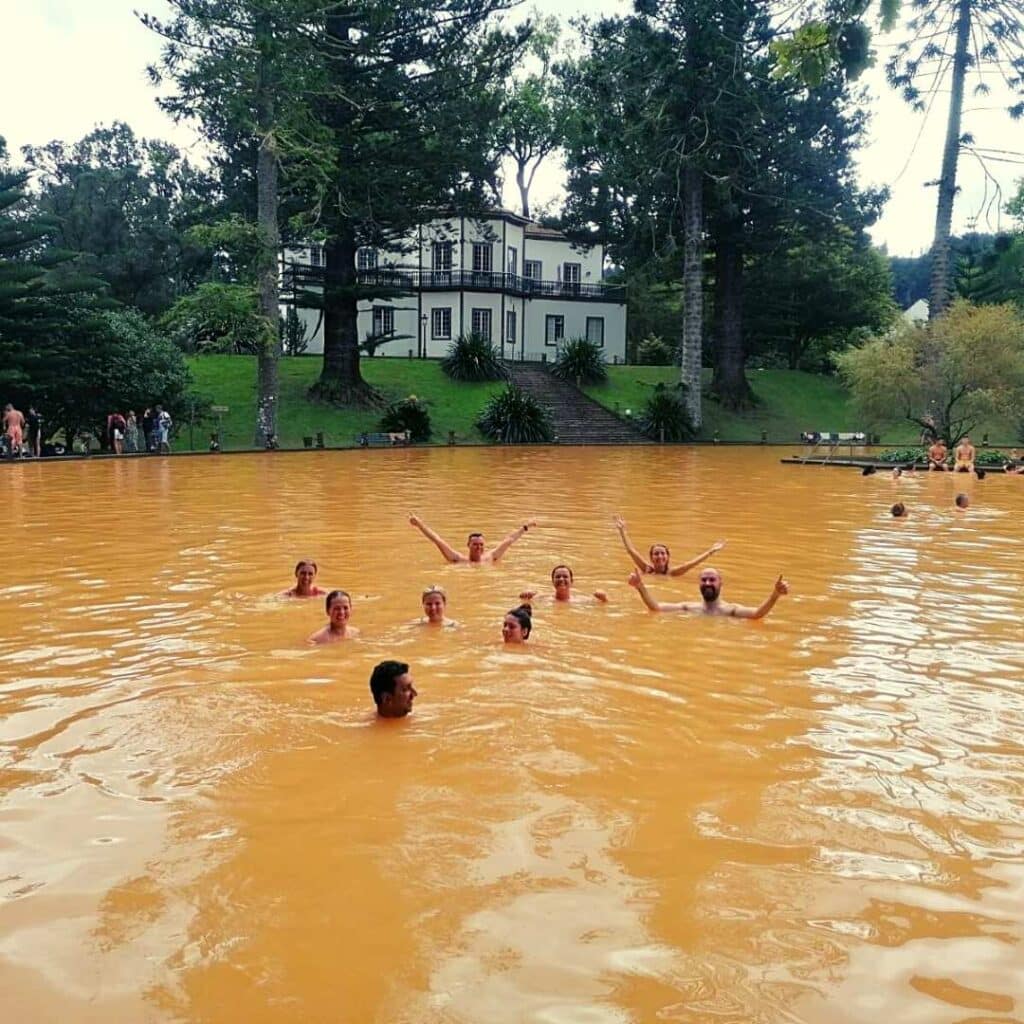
{"x":817,"y":817}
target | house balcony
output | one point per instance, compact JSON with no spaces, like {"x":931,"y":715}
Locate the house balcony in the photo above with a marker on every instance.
{"x":297,"y":277}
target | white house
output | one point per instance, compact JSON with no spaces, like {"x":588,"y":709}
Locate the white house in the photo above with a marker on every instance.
{"x":917,"y":313}
{"x":526,"y":287}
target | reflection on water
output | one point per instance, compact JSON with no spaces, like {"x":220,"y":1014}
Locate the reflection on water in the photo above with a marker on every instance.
{"x":635,"y":818}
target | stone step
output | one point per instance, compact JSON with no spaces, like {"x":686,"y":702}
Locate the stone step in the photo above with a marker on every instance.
{"x":577,"y":419}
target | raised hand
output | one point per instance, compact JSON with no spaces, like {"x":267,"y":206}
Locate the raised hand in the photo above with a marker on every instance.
{"x":717,"y":546}
{"x":527,"y":595}
{"x":601,"y":596}
{"x":634,"y":579}
{"x":620,"y":523}
{"x":414,"y":520}
{"x":781,"y":586}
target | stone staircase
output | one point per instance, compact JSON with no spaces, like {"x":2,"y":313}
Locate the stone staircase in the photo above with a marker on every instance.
{"x":577,"y":419}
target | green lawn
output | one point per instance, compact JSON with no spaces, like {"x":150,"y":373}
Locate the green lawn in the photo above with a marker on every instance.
{"x":789,"y":402}
{"x":231,"y":381}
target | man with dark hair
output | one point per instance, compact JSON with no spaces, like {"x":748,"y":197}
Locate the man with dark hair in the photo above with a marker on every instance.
{"x":393,"y":690}
{"x":710,"y":590}
{"x":478,"y":552}
{"x":899,"y":510}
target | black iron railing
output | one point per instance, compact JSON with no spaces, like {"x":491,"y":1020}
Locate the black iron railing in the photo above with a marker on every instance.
{"x":298,"y":276}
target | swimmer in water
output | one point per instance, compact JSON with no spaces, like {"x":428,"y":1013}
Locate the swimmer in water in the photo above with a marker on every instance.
{"x":393,"y":689}
{"x":962,"y":502}
{"x":305,"y":577}
{"x":562,"y":580}
{"x":659,"y":554}
{"x":478,"y":553}
{"x":899,"y":510}
{"x":435,"y":604}
{"x":710,"y":590}
{"x":517,"y":624}
{"x":339,"y":611}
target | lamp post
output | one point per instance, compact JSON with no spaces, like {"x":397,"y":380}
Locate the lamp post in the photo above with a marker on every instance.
{"x":423,"y":336}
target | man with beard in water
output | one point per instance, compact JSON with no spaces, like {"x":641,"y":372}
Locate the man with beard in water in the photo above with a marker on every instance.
{"x":710,"y":590}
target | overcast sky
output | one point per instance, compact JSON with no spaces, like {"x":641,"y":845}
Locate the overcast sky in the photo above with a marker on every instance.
{"x":67,"y":65}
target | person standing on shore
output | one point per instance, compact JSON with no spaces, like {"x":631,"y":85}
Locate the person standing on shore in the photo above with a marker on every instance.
{"x":35,"y":431}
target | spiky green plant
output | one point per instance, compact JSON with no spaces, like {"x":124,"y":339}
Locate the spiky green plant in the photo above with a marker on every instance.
{"x":580,"y":360}
{"x":514,"y":417}
{"x":666,"y":411}
{"x":472,"y":357}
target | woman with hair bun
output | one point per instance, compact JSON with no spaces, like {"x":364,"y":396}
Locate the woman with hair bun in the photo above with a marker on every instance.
{"x":517,"y":624}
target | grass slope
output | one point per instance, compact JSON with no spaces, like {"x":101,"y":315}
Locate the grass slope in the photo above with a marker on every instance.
{"x":789,"y":401}
{"x":231,"y":381}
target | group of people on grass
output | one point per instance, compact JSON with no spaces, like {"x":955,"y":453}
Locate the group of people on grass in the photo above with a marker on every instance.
{"x":392,"y":685}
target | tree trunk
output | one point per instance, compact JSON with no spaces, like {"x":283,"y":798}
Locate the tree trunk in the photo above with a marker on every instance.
{"x":340,"y":381}
{"x":269,"y":351}
{"x":729,"y":382}
{"x":693,"y":290}
{"x":524,"y":188}
{"x":940,"y":289}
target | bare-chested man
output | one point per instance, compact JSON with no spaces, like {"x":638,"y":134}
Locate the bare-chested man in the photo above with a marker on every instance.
{"x":659,"y":554}
{"x":937,"y":455}
{"x":478,"y":553}
{"x":964,"y":456}
{"x":14,"y":427}
{"x":710,"y":590}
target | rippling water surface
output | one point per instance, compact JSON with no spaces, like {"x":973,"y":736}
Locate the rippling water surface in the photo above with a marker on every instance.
{"x":817,"y":817}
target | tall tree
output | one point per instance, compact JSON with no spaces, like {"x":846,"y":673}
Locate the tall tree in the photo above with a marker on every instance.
{"x":124,"y":203}
{"x":407,"y":99}
{"x":531,"y":119}
{"x":238,"y":66}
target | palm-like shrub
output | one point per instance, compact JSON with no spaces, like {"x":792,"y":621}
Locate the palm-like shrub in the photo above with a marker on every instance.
{"x":472,"y":357}
{"x":409,"y":414}
{"x":514,"y":417}
{"x":580,"y":360}
{"x":666,"y":411}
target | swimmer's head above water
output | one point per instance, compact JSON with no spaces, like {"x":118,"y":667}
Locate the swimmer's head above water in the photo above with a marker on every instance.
{"x":899,"y":510}
{"x":659,"y":556}
{"x":962,"y":501}
{"x":475,"y":543}
{"x":434,"y":601}
{"x":305,"y":574}
{"x":517,"y":624}
{"x":561,"y":578}
{"x":393,"y":690}
{"x":710,"y":583}
{"x":338,"y":605}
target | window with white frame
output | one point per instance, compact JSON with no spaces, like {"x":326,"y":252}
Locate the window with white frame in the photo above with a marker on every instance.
{"x":441,"y":257}
{"x":571,"y":273}
{"x":512,"y":262}
{"x":510,"y":326}
{"x":533,"y":269}
{"x":441,"y":322}
{"x":480,"y":321}
{"x":554,"y":329}
{"x":316,"y":255}
{"x":383,"y":320}
{"x":595,"y":330}
{"x":481,"y":257}
{"x":366,"y":258}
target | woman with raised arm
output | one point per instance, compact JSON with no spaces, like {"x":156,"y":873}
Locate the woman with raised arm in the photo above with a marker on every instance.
{"x":659,"y":554}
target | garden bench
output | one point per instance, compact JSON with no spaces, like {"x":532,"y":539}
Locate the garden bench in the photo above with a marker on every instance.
{"x":381,"y":440}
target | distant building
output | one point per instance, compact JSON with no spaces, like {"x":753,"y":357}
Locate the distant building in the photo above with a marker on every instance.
{"x":525,"y":287}
{"x":917,"y":313}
